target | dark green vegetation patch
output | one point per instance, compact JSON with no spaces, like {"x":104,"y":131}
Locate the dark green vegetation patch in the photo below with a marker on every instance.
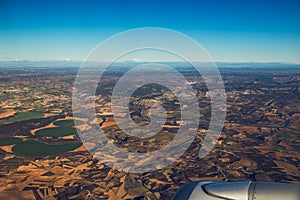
{"x":36,"y":148}
{"x":68,"y":123}
{"x":9,"y":141}
{"x":22,"y":116}
{"x":56,"y":131}
{"x":65,"y":128}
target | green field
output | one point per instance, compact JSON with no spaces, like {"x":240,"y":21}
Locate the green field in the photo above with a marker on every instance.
{"x":67,"y":123}
{"x":35,"y":148}
{"x":56,"y":131}
{"x":21,"y":116}
{"x":64,"y":128}
{"x":9,"y":141}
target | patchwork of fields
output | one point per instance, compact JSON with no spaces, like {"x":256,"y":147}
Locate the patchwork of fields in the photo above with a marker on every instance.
{"x":28,"y":146}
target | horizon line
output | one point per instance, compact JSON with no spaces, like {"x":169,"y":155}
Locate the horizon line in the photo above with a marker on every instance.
{"x":143,"y":61}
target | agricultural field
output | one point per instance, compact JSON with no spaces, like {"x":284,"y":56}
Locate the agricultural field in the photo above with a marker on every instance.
{"x":36,"y":148}
{"x":22,"y":116}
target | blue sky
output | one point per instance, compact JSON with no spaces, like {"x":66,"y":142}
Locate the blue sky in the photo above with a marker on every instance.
{"x":231,"y":31}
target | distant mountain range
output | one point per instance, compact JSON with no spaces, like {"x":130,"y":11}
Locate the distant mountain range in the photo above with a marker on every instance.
{"x":76,"y":64}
